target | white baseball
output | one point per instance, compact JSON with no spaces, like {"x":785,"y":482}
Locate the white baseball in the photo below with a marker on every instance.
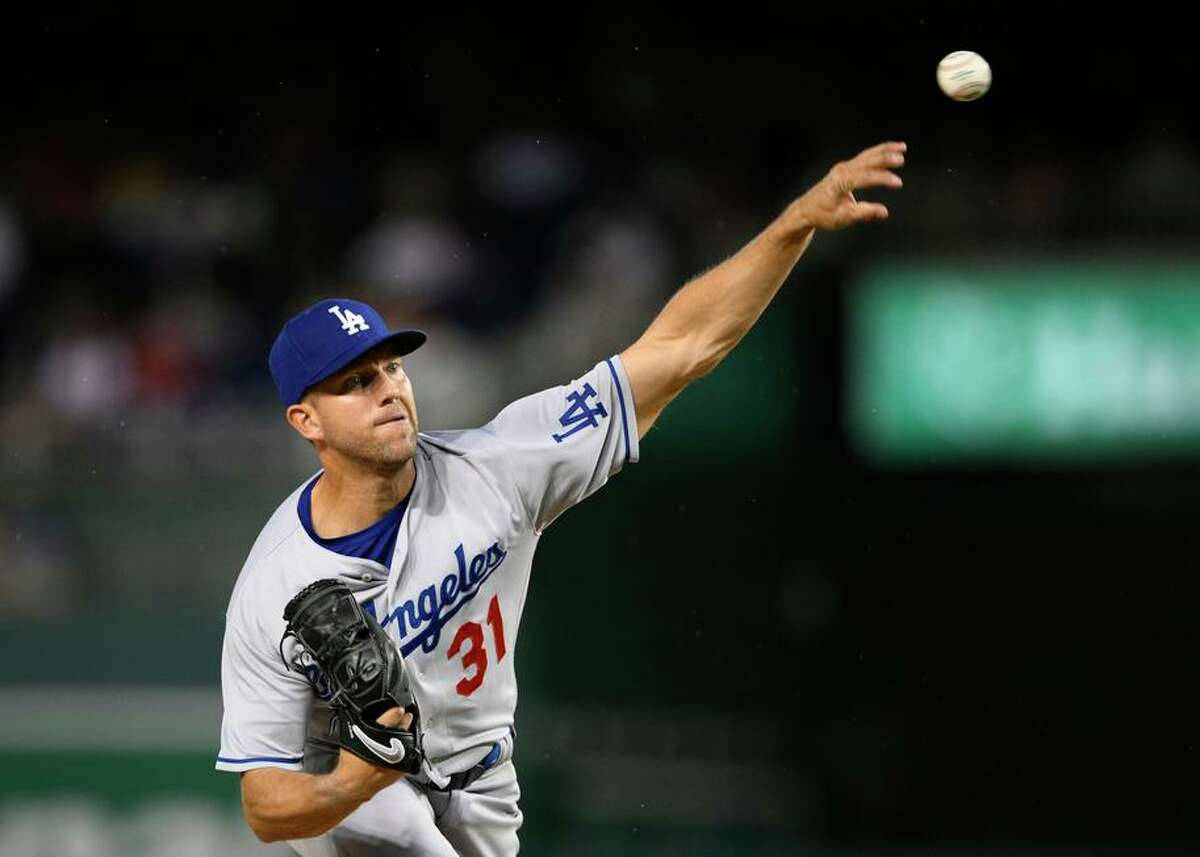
{"x":964,"y":75}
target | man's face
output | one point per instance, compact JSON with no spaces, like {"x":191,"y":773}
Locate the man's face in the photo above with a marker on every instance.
{"x":366,"y":412}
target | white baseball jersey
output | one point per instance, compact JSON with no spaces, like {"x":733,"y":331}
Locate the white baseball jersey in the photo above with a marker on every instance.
{"x":453,"y":594}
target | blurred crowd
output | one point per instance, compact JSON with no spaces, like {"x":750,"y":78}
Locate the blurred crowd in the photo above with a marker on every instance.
{"x":147,"y":289}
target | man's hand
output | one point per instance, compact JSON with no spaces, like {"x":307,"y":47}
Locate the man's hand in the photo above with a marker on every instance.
{"x":830,"y":203}
{"x":359,"y":777}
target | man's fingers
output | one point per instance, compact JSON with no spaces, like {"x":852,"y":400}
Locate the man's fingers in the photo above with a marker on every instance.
{"x":883,"y":156}
{"x":876,"y":178}
{"x":865,"y":211}
{"x":849,"y":180}
{"x":884,"y":150}
{"x":394,"y":717}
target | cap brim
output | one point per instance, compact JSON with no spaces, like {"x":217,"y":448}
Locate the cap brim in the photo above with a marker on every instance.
{"x":408,"y":341}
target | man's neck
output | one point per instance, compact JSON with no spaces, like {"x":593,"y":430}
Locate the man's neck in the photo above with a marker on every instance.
{"x":346,"y":500}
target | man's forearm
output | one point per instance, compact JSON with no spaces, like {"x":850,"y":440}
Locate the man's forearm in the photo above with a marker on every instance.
{"x":715,"y":310}
{"x":281,"y":805}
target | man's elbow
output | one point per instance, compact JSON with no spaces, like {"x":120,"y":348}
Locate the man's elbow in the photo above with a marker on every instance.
{"x":258,"y":826}
{"x":703,"y":359}
{"x":265,"y":818}
{"x":272,"y":824}
{"x":692,"y":357}
{"x":703,"y":365}
{"x":264,"y":836}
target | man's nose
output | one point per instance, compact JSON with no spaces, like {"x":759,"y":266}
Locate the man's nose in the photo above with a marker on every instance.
{"x":391,"y":387}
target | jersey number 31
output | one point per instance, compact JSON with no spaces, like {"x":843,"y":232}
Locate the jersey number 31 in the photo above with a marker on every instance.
{"x":475,"y":657}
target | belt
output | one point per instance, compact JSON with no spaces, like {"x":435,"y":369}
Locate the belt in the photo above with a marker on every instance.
{"x":464,"y":778}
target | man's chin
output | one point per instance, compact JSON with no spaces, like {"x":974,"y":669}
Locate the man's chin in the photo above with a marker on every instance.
{"x":383,"y":457}
{"x":397,"y":454}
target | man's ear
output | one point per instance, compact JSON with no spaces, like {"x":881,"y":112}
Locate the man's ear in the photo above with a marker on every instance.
{"x":303,"y":418}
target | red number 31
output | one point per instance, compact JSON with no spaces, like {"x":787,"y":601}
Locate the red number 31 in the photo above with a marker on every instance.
{"x":475,"y":657}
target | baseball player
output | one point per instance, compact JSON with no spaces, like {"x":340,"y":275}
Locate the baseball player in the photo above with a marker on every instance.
{"x":434,"y":535}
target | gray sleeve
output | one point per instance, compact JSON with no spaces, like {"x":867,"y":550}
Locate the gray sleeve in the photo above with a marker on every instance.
{"x":265,"y":705}
{"x":560,"y":445}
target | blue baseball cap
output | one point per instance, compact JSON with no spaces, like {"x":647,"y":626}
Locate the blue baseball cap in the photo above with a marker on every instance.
{"x":325,"y":338}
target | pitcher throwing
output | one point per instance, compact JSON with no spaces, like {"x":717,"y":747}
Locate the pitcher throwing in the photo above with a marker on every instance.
{"x":433,"y":534}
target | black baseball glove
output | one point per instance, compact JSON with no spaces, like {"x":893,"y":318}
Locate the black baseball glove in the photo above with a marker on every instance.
{"x":365,"y":673}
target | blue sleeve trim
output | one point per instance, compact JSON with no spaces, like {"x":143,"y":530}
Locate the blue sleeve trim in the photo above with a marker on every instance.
{"x":285,"y":760}
{"x":621,"y":399}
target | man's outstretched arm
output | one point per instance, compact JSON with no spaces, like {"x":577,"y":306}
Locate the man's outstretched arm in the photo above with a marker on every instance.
{"x":710,"y":315}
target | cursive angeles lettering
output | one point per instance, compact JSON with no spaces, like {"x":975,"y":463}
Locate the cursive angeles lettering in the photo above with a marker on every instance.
{"x":419,"y":621}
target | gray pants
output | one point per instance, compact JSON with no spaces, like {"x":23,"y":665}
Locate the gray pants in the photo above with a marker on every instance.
{"x":407,"y":820}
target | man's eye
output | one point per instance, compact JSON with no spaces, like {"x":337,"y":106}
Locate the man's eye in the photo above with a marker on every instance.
{"x":353,"y":382}
{"x":393,"y":367}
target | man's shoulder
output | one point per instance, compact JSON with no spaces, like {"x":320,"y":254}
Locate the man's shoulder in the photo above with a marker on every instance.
{"x":471,"y":445}
{"x":469,"y":463}
{"x":281,"y":550}
{"x":283,"y":525}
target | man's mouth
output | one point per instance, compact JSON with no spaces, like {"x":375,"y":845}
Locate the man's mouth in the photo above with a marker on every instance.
{"x":393,"y":418}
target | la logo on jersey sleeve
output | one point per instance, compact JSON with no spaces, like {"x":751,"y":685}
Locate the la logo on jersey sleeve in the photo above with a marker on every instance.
{"x":580,"y":415}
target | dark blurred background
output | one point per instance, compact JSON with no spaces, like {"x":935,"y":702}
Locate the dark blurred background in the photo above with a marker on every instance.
{"x":913,"y":572}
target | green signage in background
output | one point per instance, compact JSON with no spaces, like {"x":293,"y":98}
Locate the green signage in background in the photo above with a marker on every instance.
{"x":1045,"y":363}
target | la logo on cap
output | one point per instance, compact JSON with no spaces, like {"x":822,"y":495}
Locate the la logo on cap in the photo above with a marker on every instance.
{"x":351,"y":321}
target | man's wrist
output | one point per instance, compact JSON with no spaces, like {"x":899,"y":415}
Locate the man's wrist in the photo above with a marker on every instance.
{"x":794,"y":226}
